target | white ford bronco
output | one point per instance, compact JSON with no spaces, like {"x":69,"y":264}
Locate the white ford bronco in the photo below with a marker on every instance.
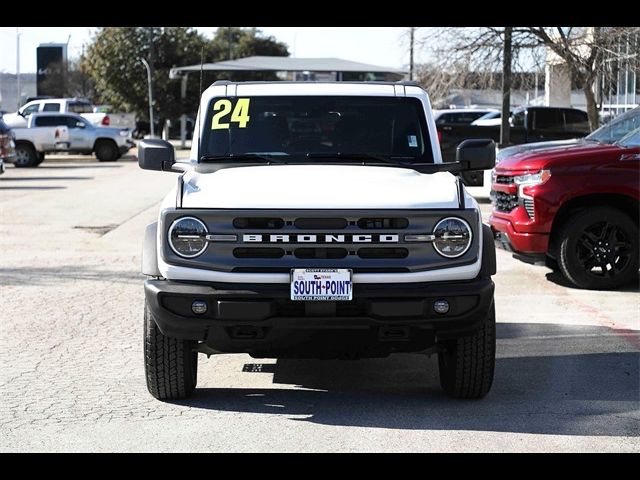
{"x":317,"y":220}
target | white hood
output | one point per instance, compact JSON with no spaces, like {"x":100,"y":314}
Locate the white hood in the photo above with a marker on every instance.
{"x":319,"y":186}
{"x":13,"y":120}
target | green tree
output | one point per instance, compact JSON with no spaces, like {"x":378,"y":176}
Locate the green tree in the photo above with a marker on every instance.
{"x":112,"y":62}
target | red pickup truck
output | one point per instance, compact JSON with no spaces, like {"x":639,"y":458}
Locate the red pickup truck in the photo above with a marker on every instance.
{"x":576,"y":204}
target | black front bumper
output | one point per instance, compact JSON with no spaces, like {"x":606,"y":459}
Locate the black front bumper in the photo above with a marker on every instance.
{"x":262,"y":321}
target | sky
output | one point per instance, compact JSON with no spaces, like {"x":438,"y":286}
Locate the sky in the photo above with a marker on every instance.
{"x":384,"y":46}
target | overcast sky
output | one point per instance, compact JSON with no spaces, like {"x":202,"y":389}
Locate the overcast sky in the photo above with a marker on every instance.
{"x":384,"y":46}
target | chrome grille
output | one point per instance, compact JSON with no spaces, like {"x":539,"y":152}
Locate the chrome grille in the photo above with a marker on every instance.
{"x":528,"y":205}
{"x":504,"y":179}
{"x":504,"y":202}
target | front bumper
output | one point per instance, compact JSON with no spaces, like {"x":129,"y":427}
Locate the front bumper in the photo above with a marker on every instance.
{"x":262,"y":321}
{"x":508,"y":238}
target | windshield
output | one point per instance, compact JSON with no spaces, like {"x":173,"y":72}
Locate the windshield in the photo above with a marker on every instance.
{"x":617,"y":128}
{"x":322,"y":126}
{"x":632,"y":139}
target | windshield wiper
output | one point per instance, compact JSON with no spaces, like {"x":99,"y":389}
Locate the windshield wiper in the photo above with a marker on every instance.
{"x":251,"y":157}
{"x":361,"y":156}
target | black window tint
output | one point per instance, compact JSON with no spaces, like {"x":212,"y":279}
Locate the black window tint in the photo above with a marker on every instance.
{"x":72,"y":121}
{"x":576,"y":120}
{"x":547,"y":119}
{"x":518,"y":119}
{"x":51,"y":107}
{"x":79,"y":107}
{"x":51,"y":121}
{"x":297,"y":125}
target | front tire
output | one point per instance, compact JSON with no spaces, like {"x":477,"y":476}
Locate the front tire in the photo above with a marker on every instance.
{"x":106,"y":151}
{"x":26,"y":156}
{"x":599,"y":249}
{"x":171,"y":365}
{"x":467,"y":366}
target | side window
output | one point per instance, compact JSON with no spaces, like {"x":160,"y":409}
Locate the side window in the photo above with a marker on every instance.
{"x":444,"y":118}
{"x":49,"y":121}
{"x":517,"y":120}
{"x":72,"y":122}
{"x":547,"y":119}
{"x":31,"y":109}
{"x":79,"y":107}
{"x":576,"y":120}
{"x":51,"y":107}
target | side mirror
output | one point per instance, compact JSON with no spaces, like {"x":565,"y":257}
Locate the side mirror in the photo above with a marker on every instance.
{"x":477,"y":154}
{"x":155,"y":154}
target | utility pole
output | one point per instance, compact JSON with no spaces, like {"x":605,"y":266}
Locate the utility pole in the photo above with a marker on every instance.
{"x":151,"y":128}
{"x":505,"y":132}
{"x":18,"y":96}
{"x":412,"y":31}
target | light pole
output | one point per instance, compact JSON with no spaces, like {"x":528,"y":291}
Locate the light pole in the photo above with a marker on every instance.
{"x":151,"y":128}
{"x":19,"y":97}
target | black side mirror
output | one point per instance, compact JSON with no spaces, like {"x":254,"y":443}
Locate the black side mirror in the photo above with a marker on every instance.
{"x":477,"y":154}
{"x":155,"y":154}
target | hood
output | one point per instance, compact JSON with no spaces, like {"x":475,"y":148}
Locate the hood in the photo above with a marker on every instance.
{"x":13,"y":120}
{"x":526,"y":147}
{"x":541,"y":158}
{"x":319,"y":186}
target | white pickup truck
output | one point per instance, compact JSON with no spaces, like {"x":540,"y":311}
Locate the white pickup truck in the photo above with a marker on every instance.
{"x":64,"y":105}
{"x":67,"y":132}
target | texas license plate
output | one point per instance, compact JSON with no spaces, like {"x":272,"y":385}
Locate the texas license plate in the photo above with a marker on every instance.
{"x":321,"y":284}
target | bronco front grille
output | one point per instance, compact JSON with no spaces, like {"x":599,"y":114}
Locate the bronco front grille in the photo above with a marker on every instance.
{"x":371,"y":241}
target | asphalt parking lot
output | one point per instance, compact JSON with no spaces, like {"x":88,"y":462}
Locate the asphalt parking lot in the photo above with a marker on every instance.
{"x":71,"y":299}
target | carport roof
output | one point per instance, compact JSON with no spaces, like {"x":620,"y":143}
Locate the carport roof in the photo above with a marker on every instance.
{"x":288,"y":64}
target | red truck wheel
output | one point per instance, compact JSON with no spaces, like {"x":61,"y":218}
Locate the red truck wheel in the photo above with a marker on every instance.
{"x":599,"y":249}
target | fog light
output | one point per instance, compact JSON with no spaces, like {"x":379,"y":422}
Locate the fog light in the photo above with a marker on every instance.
{"x":441,"y":306}
{"x":199,"y":307}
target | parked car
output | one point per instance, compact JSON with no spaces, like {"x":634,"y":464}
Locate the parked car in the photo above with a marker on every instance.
{"x":117,"y":119}
{"x":7,"y":145}
{"x":576,"y":206}
{"x":528,"y":124}
{"x":59,"y":105}
{"x":489,"y":119}
{"x":460,"y":116}
{"x":69,"y":132}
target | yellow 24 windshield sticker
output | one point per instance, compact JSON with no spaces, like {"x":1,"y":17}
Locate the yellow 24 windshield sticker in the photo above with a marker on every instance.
{"x":224,"y":106}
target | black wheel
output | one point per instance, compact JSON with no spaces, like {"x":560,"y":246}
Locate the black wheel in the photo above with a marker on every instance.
{"x":40,"y":158}
{"x":171,"y":365}
{"x":106,"y":151}
{"x":26,"y":156}
{"x":599,"y":249}
{"x":551,"y":263}
{"x":467,"y":365}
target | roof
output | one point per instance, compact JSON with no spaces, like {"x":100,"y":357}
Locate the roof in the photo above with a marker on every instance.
{"x":289,"y":64}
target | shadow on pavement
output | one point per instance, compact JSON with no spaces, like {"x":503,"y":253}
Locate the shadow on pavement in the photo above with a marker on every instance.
{"x":53,"y":276}
{"x":79,"y":165}
{"x":24,"y":187}
{"x":23,"y":179}
{"x":550,"y":379}
{"x":559,"y":279}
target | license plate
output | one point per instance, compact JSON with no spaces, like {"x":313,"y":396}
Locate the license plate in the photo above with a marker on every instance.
{"x":321,"y":284}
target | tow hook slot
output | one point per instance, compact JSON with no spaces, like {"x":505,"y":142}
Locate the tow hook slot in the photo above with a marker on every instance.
{"x":391,"y":332}
{"x":246,"y":332}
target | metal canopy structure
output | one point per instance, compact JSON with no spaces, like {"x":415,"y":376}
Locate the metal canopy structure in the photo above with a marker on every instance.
{"x":300,"y":68}
{"x":288,"y":64}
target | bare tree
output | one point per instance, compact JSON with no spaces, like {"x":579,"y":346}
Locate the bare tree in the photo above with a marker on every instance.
{"x":582,"y":49}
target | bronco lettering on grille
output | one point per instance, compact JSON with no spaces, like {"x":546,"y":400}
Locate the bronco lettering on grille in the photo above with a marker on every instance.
{"x":320,"y":238}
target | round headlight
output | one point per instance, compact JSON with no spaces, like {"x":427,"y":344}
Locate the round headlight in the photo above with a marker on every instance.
{"x":187,"y":237}
{"x":452,"y":237}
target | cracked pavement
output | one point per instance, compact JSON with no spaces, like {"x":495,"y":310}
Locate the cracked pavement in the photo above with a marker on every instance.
{"x":72,"y":379}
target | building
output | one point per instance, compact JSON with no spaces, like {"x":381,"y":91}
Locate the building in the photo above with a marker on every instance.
{"x":9,"y":101}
